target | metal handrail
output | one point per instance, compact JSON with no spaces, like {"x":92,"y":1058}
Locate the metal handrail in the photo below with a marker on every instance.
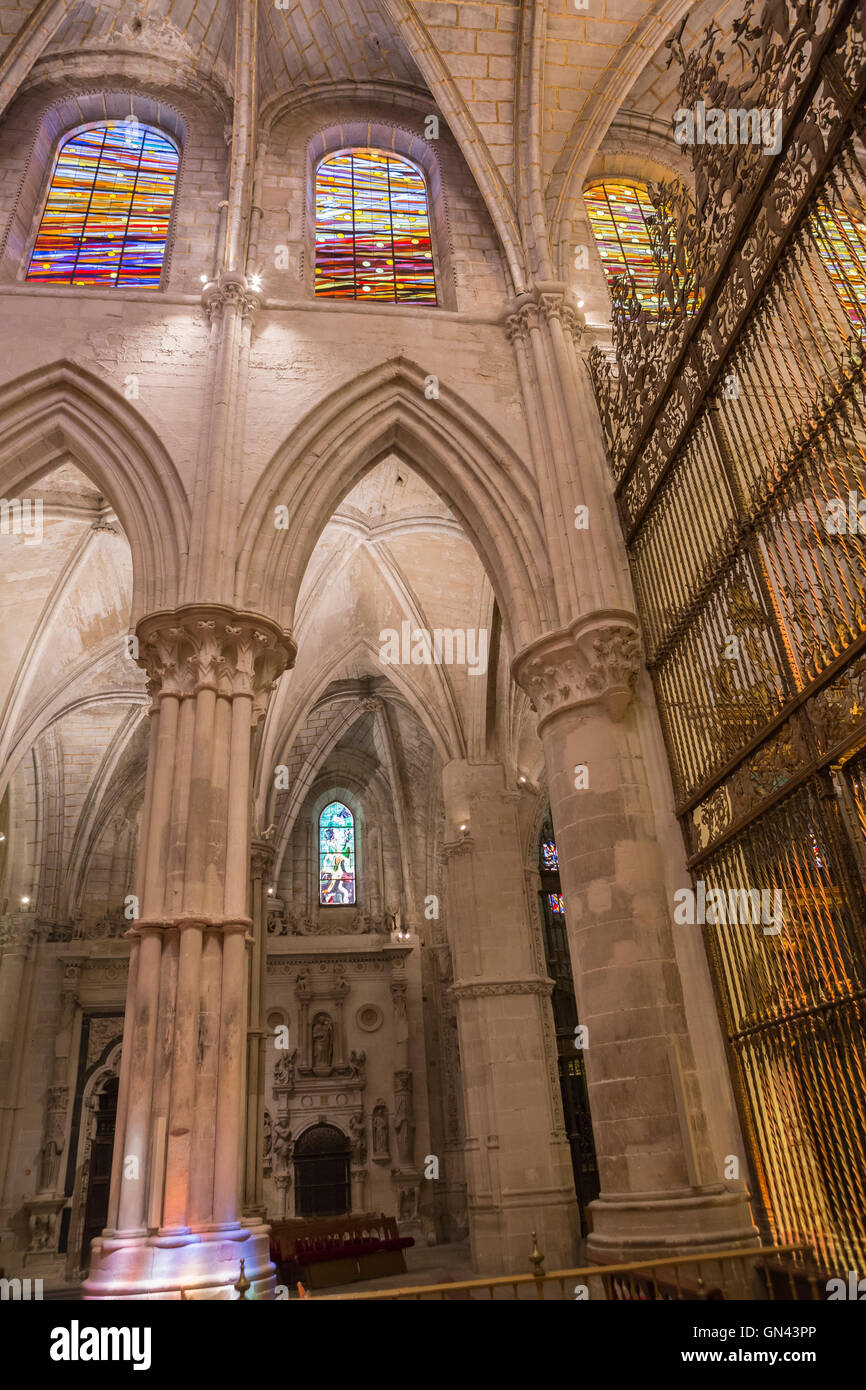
{"x":582,"y":1274}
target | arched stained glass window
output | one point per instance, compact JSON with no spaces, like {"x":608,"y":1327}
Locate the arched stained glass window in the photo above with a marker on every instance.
{"x":373,"y":230}
{"x":108,"y":208}
{"x":841,"y":242}
{"x":619,"y":214}
{"x":336,"y":856}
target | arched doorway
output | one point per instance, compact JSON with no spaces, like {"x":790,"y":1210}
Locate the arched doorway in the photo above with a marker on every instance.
{"x":99,"y":1177}
{"x":322,"y":1184}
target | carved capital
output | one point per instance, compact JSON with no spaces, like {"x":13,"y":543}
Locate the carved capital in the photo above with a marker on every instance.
{"x":211,"y":647}
{"x":231,"y":292}
{"x":594,"y":661}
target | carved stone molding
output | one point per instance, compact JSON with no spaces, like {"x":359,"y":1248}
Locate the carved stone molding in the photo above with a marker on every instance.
{"x":488,"y":989}
{"x":213,"y":647}
{"x":595,"y":661}
{"x":543,"y":304}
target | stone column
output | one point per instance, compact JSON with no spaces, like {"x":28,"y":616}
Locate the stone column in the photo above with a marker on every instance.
{"x":643,"y":1094}
{"x":175,"y":1205}
{"x":261,"y":862}
{"x":518,"y":1167}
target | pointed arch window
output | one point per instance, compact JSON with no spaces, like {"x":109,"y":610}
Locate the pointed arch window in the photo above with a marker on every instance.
{"x":108,"y":209}
{"x":841,"y":242}
{"x":620,"y":215}
{"x":336,"y":856}
{"x":373,"y":230}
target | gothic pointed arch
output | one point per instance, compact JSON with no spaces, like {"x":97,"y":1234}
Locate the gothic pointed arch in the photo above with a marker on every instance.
{"x":61,"y":413}
{"x":450,"y":446}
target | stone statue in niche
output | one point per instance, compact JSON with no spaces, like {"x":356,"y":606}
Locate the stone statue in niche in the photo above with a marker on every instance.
{"x":284,"y":1069}
{"x":267,"y":1142}
{"x":323,"y":1042}
{"x":408,"y":1206}
{"x":381,"y":1138}
{"x":358,"y":1131}
{"x":404,"y":1116}
{"x":282,"y":1143}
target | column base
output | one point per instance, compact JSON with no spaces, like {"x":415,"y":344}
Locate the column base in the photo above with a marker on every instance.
{"x":501,"y":1237}
{"x":205,"y":1264}
{"x":657,"y":1224}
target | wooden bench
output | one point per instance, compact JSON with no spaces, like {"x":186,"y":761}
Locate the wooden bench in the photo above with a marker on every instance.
{"x":338,"y":1249}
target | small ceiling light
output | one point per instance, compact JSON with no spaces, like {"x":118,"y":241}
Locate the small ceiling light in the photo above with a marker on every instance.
{"x":580,"y":304}
{"x":463,"y":827}
{"x":25,"y":901}
{"x":203,"y":279}
{"x":523,"y":779}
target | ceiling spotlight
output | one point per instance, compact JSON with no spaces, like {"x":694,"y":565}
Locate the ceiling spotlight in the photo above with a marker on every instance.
{"x":580,"y":304}
{"x":463,"y":827}
{"x":270,"y":892}
{"x":203,"y":279}
{"x":25,"y":901}
{"x":256,"y":282}
{"x":523,"y":780}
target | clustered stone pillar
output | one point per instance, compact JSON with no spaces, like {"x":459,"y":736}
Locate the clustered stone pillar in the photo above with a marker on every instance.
{"x":626,"y":979}
{"x":518,"y":1166}
{"x":175,"y":1206}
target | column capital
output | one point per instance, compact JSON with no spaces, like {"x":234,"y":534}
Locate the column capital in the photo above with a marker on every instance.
{"x":211,"y":646}
{"x":546,"y":301}
{"x":231,"y":291}
{"x":595,"y":660}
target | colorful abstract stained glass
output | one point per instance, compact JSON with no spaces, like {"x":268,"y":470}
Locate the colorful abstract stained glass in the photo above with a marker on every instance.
{"x":618,"y":215}
{"x":549,"y":860}
{"x":841,"y":242}
{"x":336,"y":856}
{"x":108,"y":208}
{"x":373,"y":230}
{"x":556,"y":903}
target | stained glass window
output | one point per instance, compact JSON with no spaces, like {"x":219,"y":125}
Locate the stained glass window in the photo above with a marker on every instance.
{"x":336,"y":856}
{"x":618,"y":215}
{"x":556,"y":903}
{"x":841,"y":242}
{"x":373,"y":230}
{"x":108,"y":208}
{"x":549,"y":860}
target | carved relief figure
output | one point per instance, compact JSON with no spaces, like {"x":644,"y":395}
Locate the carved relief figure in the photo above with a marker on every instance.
{"x":357,"y":1063}
{"x":404,"y":1116}
{"x":284,"y":1069}
{"x":323,"y":1041}
{"x":381,"y":1139}
{"x":282,"y":1143}
{"x":268,"y":1140}
{"x":358,"y":1131}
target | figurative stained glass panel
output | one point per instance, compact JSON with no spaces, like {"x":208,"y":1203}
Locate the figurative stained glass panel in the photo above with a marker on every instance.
{"x":373,"y":230}
{"x":556,"y":903}
{"x":336,"y":856}
{"x":108,"y":209}
{"x":549,"y":860}
{"x":618,"y":215}
{"x":841,"y":242}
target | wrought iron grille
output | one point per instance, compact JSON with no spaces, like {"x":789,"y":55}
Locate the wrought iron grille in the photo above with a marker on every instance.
{"x":736,"y":429}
